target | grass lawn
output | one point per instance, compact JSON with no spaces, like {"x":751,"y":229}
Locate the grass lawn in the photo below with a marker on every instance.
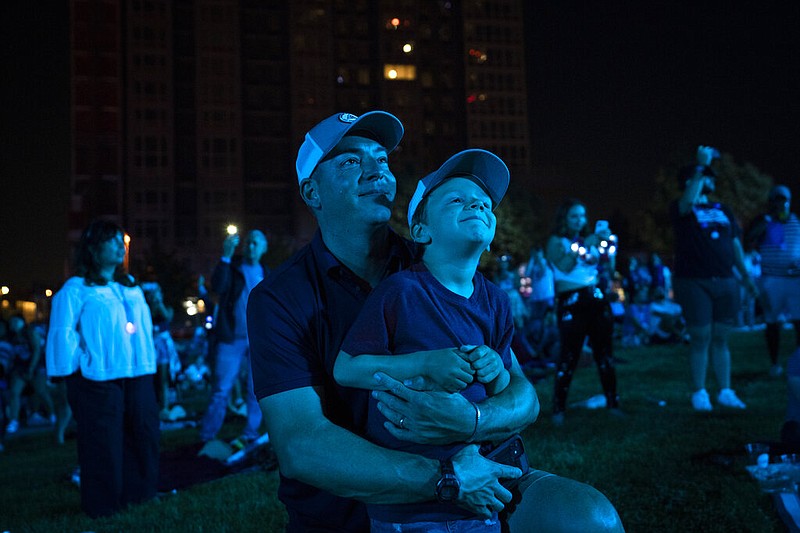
{"x":665,"y":468}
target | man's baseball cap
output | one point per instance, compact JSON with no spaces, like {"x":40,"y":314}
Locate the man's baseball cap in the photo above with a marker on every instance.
{"x":322,"y":138}
{"x":780,"y":191}
{"x":482,"y":165}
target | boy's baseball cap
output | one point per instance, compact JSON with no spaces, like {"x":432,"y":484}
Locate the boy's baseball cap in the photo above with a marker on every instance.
{"x":482,"y":165}
{"x":322,"y":138}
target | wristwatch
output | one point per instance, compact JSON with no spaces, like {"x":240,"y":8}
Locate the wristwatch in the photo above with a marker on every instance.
{"x":448,"y":487}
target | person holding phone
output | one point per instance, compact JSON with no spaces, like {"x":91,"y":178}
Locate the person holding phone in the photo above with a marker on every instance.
{"x":707,"y":249}
{"x":583,"y":311}
{"x":232,"y":280}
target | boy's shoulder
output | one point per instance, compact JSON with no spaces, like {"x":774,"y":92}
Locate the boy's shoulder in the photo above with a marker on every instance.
{"x":402,"y":279}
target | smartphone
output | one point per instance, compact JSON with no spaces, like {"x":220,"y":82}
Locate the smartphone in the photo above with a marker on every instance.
{"x":600,"y":226}
{"x":511,"y":452}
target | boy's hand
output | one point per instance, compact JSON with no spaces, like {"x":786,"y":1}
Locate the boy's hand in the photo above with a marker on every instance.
{"x":448,"y":368}
{"x":485,"y":362}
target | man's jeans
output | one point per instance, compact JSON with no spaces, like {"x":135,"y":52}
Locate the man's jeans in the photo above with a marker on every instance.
{"x":230,"y":358}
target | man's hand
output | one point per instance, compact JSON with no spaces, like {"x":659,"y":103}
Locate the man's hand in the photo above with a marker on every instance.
{"x":706,"y":154}
{"x":229,"y":245}
{"x":424,"y":417}
{"x":486,"y":363}
{"x":481,"y":491}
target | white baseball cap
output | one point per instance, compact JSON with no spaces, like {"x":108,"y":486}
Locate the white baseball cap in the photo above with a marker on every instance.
{"x":322,"y":138}
{"x":482,"y":165}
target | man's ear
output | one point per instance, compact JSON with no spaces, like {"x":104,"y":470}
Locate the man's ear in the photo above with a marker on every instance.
{"x":308,"y":191}
{"x":419,"y":233}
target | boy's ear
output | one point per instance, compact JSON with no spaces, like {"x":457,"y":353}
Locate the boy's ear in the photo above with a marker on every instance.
{"x":419,"y":233}
{"x":308,"y":191}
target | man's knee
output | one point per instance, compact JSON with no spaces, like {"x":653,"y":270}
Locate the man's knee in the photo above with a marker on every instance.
{"x":557,"y":504}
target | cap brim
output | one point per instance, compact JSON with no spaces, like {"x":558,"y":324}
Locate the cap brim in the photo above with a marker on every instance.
{"x":482,"y":165}
{"x":385,"y":127}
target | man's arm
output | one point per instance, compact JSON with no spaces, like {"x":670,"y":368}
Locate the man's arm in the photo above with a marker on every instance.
{"x":691,"y":194}
{"x":431,"y":417}
{"x":311,"y":449}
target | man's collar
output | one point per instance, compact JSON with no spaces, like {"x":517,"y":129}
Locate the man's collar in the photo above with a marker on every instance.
{"x":402,"y":253}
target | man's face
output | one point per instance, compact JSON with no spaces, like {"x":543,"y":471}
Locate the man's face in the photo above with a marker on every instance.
{"x":459,"y":212}
{"x":255,"y":245}
{"x":780,"y":205}
{"x":354,"y":182}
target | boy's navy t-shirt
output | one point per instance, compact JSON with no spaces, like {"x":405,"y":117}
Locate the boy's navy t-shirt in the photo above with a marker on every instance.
{"x":411,"y":311}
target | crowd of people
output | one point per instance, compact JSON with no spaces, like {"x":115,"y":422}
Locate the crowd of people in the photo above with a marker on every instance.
{"x":386,"y":371}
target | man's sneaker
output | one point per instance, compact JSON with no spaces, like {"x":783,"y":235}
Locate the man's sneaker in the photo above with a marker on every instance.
{"x":12,"y":427}
{"x":701,"y":401}
{"x":728,"y":398}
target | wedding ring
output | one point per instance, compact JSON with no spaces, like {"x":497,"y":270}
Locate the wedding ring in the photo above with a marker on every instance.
{"x":402,"y":422}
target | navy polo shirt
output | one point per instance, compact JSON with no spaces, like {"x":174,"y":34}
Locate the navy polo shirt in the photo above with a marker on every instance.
{"x":297,"y":318}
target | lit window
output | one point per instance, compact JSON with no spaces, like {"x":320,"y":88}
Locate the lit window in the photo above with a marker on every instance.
{"x":400,"y":72}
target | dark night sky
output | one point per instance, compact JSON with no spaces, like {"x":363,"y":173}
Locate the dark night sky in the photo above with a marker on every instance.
{"x":618,"y":89}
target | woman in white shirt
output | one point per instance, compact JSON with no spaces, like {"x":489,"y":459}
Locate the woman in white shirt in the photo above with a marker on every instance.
{"x":100,"y":341}
{"x":582,"y":307}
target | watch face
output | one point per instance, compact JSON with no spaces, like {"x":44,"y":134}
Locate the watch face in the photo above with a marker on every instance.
{"x":447,"y":489}
{"x":448,"y":493}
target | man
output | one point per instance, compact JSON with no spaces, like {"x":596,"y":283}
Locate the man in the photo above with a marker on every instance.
{"x":776,"y":236}
{"x":232,"y":280}
{"x":297,"y":319}
{"x":707,"y":249}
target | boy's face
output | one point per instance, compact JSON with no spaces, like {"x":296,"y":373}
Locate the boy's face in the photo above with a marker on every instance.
{"x":459,"y":211}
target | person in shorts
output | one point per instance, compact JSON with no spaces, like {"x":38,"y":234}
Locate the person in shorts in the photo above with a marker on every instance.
{"x":707,"y":249}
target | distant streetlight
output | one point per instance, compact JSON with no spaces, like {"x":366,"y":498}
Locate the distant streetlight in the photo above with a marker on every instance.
{"x":4,"y":290}
{"x":48,"y":293}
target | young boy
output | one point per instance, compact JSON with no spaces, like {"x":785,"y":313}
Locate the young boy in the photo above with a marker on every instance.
{"x":413,"y":321}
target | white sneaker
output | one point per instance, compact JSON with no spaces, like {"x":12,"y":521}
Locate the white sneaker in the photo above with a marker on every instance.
{"x":701,"y":401}
{"x":12,"y":427}
{"x":728,"y":398}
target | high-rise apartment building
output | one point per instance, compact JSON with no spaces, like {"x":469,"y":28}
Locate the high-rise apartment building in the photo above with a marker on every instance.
{"x":187,"y":114}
